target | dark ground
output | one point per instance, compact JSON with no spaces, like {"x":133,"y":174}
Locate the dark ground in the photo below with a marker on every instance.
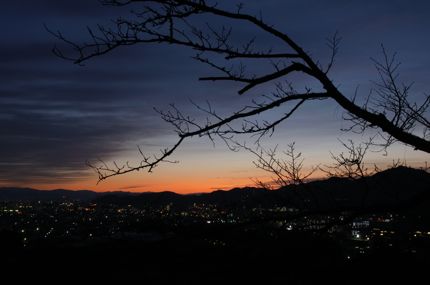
{"x":213,"y":258}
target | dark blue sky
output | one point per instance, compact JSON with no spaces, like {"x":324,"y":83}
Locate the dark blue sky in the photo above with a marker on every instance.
{"x":56,"y":115}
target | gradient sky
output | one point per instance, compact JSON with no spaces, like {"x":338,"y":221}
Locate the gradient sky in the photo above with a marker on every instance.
{"x":56,"y":115}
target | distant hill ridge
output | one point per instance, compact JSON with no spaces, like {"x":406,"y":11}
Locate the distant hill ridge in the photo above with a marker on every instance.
{"x":29,"y":194}
{"x":389,"y":187}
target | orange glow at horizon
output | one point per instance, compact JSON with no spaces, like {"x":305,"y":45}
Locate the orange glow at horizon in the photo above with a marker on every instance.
{"x":179,"y":183}
{"x":202,"y":171}
{"x":182,"y":184}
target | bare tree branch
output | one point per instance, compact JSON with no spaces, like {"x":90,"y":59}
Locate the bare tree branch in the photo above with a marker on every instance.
{"x":173,"y":22}
{"x":285,"y":171}
{"x":350,"y":164}
{"x":186,"y":127}
{"x":392,"y":102}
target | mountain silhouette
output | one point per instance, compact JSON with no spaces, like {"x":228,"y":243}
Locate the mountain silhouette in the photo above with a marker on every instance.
{"x":388,"y":188}
{"x":28,"y":194}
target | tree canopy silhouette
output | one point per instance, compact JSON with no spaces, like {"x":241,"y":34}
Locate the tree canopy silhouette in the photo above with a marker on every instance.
{"x":388,"y":109}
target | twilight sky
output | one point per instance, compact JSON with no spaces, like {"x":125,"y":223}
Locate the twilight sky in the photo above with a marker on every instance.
{"x":56,"y":115}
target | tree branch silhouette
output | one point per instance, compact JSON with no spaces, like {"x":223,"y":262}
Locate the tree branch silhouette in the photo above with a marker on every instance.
{"x":350,"y":164}
{"x":285,"y":170}
{"x":173,"y":22}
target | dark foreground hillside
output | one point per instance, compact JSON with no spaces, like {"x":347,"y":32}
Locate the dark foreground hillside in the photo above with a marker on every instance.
{"x":218,"y":257}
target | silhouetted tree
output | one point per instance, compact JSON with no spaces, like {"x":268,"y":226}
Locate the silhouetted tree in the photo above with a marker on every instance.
{"x":350,"y":164}
{"x":284,"y":170}
{"x":173,"y":22}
